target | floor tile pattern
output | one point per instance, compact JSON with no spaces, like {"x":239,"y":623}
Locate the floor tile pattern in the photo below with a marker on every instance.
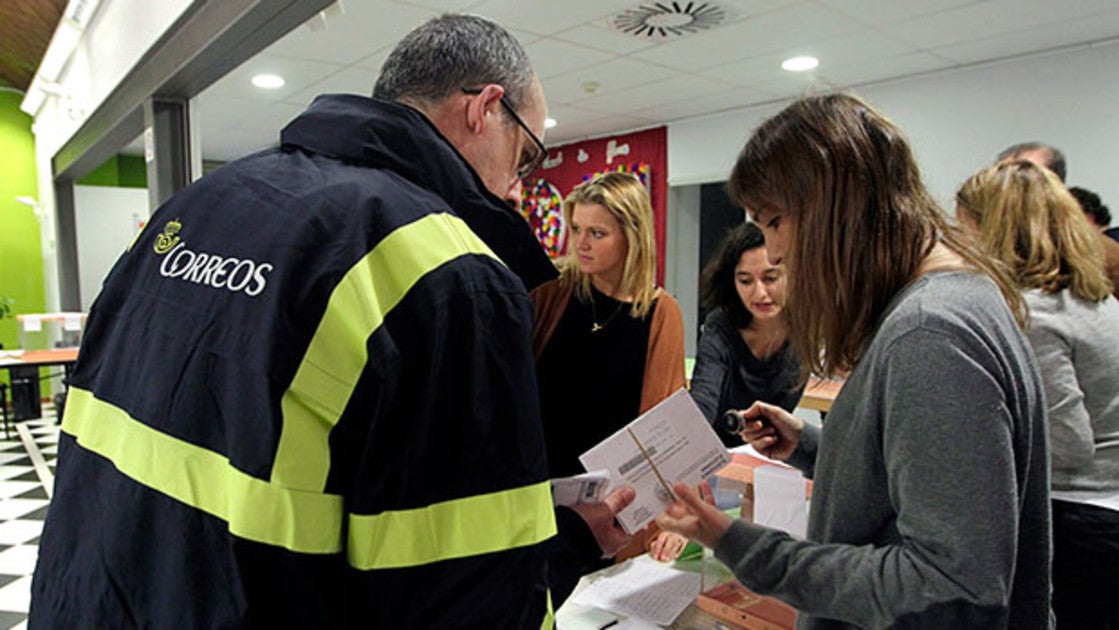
{"x":27,"y":459}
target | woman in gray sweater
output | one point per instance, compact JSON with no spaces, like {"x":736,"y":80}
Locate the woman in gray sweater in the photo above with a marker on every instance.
{"x":1022,"y":214}
{"x":931,"y":500}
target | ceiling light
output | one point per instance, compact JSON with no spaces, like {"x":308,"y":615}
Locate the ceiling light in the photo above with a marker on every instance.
{"x":268,"y":81}
{"x":549,"y":123}
{"x":800,"y":64}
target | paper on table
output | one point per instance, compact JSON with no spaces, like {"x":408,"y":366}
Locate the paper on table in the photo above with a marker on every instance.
{"x":72,"y":322}
{"x":32,"y":324}
{"x":675,"y":436}
{"x":779,"y":499}
{"x":647,"y":590}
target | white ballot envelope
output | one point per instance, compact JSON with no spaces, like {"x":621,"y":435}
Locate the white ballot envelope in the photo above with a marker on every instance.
{"x":670,"y":443}
{"x":588,"y":487}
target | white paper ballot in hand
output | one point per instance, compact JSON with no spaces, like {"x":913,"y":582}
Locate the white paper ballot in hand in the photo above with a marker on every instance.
{"x":585,"y":488}
{"x":670,"y":443}
{"x":779,"y":499}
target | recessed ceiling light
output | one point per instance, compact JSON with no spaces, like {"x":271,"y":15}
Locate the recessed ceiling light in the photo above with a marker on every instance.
{"x":549,"y":123}
{"x":800,"y":64}
{"x":268,"y":81}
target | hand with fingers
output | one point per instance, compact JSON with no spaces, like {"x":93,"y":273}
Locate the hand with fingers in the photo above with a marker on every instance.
{"x":600,"y":517}
{"x":667,"y":546}
{"x":771,"y":430}
{"x":695,"y":516}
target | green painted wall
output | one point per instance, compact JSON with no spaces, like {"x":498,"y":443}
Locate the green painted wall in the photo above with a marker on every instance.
{"x":124,"y":171}
{"x":21,"y":255}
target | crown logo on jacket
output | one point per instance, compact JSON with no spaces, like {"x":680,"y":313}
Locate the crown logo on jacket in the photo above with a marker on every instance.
{"x":169,"y":239}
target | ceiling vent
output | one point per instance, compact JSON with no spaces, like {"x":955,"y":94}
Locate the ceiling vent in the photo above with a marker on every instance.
{"x":668,"y":20}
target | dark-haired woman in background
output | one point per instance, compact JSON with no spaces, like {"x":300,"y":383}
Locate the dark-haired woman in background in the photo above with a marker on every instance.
{"x":743,"y":353}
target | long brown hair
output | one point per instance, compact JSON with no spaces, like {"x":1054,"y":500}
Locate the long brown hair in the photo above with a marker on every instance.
{"x":627,"y":200}
{"x":862,"y":222}
{"x":1028,"y":220}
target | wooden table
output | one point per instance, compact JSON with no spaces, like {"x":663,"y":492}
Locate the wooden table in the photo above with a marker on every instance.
{"x":34,"y":359}
{"x":820,"y":394}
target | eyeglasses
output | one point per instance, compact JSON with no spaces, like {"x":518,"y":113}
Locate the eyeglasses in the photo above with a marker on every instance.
{"x":531,"y":159}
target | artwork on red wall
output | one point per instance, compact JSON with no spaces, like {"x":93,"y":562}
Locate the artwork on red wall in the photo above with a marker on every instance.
{"x":643,"y":153}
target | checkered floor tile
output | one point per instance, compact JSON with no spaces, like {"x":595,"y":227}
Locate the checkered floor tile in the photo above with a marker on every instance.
{"x":27,"y":460}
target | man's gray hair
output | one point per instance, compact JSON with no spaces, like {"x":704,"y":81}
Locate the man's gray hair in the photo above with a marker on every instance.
{"x":452,"y":52}
{"x":1054,"y":162}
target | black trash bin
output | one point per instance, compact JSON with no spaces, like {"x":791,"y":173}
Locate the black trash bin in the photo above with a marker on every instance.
{"x":25,"y":393}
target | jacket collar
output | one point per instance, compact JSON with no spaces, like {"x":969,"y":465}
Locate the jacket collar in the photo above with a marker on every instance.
{"x":382,"y":134}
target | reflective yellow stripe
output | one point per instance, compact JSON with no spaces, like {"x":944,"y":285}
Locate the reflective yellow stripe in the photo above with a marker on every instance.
{"x":454,"y":529}
{"x":256,"y":510}
{"x":337,"y":355}
{"x":549,"y":622}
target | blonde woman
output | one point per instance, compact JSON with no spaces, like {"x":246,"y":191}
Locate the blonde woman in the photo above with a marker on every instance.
{"x":1023,"y":216}
{"x":609,"y":343}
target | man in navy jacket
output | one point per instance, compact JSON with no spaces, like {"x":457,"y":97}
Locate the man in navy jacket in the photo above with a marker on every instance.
{"x":306,"y":393}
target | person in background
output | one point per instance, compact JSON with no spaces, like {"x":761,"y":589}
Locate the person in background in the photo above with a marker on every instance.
{"x":1097,"y":213}
{"x":1053,"y":159}
{"x":930,"y":507}
{"x":1100,"y":217}
{"x":744,"y":354}
{"x":609,"y":343}
{"x":1023,"y":216}
{"x":1039,"y":153}
{"x":305,"y":396}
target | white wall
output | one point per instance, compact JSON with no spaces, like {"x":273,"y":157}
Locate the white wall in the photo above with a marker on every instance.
{"x":107,"y":219}
{"x":958,"y":121}
{"x":117,"y":36}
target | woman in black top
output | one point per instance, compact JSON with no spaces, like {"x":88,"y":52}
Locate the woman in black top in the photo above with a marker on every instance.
{"x":743,"y":352}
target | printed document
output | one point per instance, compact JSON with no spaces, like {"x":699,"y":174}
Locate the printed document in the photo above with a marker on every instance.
{"x":670,"y":443}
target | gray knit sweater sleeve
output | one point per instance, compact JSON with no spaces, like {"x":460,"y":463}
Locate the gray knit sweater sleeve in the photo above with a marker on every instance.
{"x":920,"y":515}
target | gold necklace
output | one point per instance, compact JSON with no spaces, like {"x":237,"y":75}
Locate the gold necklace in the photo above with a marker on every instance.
{"x":595,"y":326}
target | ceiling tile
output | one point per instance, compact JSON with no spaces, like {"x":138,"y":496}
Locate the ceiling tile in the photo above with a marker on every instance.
{"x":362,"y":29}
{"x":879,"y":12}
{"x":879,"y":69}
{"x":604,"y":39}
{"x":681,"y":87}
{"x":839,"y":52}
{"x":611,"y":76}
{"x":551,"y":57}
{"x":223,"y":145}
{"x":734,"y":99}
{"x":375,"y":61}
{"x":777,"y":30}
{"x":351,"y":80}
{"x":548,"y":18}
{"x":214,"y":111}
{"x":1054,"y":35}
{"x":298,"y":75}
{"x":992,"y":18}
{"x":442,"y":6}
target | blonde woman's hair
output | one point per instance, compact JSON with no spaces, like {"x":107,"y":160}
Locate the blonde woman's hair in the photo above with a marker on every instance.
{"x":627,"y":200}
{"x":1029,"y":221}
{"x":861,"y":221}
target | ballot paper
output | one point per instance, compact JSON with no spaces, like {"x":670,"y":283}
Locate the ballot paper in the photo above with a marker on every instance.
{"x":670,"y":443}
{"x":589,"y":487}
{"x":644,"y":590}
{"x":779,"y":499}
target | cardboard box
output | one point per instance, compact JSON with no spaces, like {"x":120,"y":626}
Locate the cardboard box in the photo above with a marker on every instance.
{"x":743,"y":608}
